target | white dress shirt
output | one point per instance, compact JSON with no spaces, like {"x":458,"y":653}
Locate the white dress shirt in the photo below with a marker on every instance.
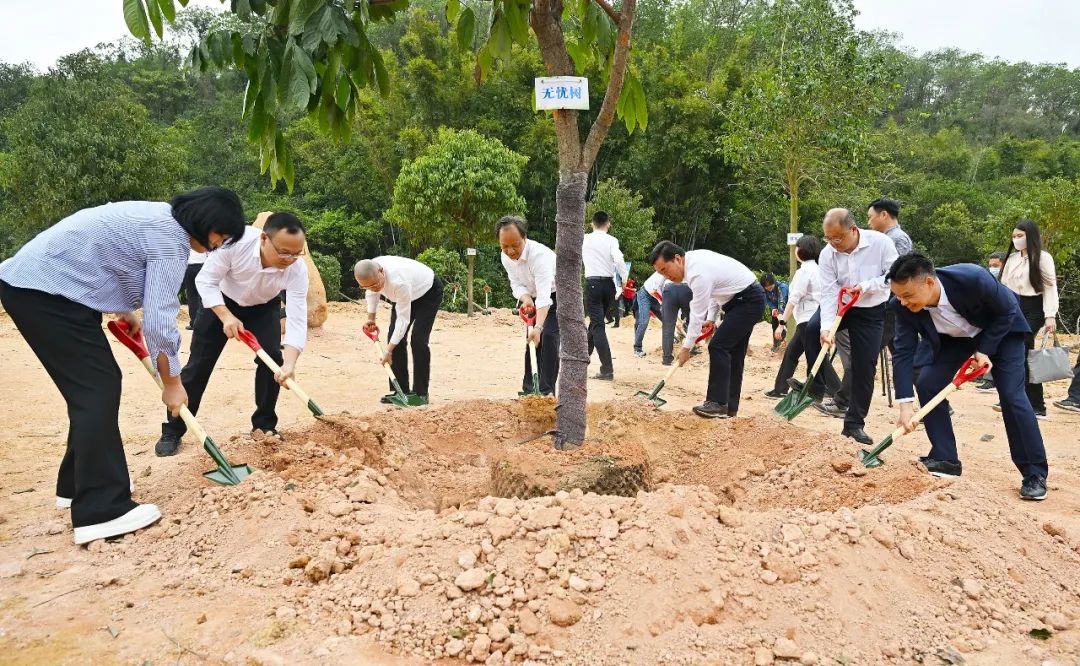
{"x":406,"y":280}
{"x":714,"y":279}
{"x":533,"y":274}
{"x":601,"y":255}
{"x":1016,"y":276}
{"x":654,"y":285}
{"x":196,"y":257}
{"x":237,"y":272}
{"x":948,"y":321}
{"x":865,"y":267}
{"x":805,"y":292}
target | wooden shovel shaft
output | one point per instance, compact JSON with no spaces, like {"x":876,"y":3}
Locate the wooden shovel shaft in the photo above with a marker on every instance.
{"x":926,"y":409}
{"x":379,"y":353}
{"x":825,"y":350}
{"x":290,"y":383}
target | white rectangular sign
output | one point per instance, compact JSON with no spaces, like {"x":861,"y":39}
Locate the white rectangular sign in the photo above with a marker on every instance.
{"x":793,"y":238}
{"x":562,"y":92}
{"x":470,"y":251}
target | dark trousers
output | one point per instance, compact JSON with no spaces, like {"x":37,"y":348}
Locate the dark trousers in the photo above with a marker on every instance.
{"x":68,"y":340}
{"x":194,"y":300}
{"x":547,"y":355}
{"x":840,"y":388}
{"x":795,"y":347}
{"x":727,"y":349}
{"x":676,"y":304}
{"x":599,"y":297}
{"x":646,"y":303}
{"x":418,"y":335}
{"x":1021,"y":428}
{"x":864,"y":326}
{"x":1032,"y":308}
{"x":1074,"y":386}
{"x":207,"y":342}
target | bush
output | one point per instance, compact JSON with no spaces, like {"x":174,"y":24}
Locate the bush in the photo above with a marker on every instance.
{"x":451,"y":268}
{"x":330,"y":270}
{"x":346,"y":238}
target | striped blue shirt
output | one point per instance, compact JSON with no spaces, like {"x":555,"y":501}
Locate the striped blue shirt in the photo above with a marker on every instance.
{"x":113,"y":258}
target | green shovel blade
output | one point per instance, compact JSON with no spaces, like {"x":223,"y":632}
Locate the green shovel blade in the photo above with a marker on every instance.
{"x":871,"y":458}
{"x":653,"y":396}
{"x":794,"y":403}
{"x":226,"y":474}
{"x":315,"y":409}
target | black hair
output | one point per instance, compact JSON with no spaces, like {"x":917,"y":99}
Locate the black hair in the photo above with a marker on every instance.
{"x":209,"y":210}
{"x":511,"y":221}
{"x":600,"y":218}
{"x":890,"y":206}
{"x":282,"y":221}
{"x":767,"y":279}
{"x":808,"y":247}
{"x":908,"y":266}
{"x":1034,"y":250}
{"x":665,"y":250}
{"x":1000,"y":256}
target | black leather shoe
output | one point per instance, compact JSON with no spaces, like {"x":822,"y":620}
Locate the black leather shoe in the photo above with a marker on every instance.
{"x":859,"y":435}
{"x":1034,"y":488}
{"x":167,"y":445}
{"x":387,"y":399}
{"x":712,"y":410}
{"x":605,"y":376}
{"x":942,"y":468}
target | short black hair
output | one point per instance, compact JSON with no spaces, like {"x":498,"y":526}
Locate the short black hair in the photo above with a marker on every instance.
{"x":1000,"y":256}
{"x":767,"y":279}
{"x":908,"y":266}
{"x":890,"y":206}
{"x":600,"y":218}
{"x":808,"y":247}
{"x":511,"y":221}
{"x":209,"y":210}
{"x":283,"y":221}
{"x":665,"y":250}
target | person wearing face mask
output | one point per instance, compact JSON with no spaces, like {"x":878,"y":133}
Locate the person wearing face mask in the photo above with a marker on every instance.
{"x":1029,"y":272}
{"x":416,"y":293}
{"x":944,"y":317}
{"x":239,"y":285}
{"x":530,"y":265}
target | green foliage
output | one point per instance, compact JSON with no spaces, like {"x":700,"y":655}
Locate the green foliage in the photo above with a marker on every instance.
{"x":446,"y":263}
{"x":330,"y":271}
{"x":457,"y":189}
{"x":631,"y":222}
{"x":345,"y":238}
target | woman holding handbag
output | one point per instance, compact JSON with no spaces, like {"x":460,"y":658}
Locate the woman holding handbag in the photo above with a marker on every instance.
{"x":1029,"y":272}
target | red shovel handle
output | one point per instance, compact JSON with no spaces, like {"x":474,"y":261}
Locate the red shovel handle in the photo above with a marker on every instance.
{"x":968,"y":371}
{"x":133,"y":342}
{"x":249,"y":339}
{"x":372,"y":333}
{"x":530,"y":320}
{"x":841,"y":306}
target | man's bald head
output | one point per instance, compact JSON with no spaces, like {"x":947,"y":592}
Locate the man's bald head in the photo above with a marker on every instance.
{"x":368,"y":274}
{"x":841,"y":216}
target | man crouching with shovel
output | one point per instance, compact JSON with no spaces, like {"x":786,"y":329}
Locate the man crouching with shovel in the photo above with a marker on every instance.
{"x":960,"y":311}
{"x":416,"y":293}
{"x":240,"y":287}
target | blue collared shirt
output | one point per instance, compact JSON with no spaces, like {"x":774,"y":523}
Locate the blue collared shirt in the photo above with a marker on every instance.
{"x":113,"y":258}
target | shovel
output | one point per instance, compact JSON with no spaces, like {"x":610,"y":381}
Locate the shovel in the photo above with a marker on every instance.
{"x":399,"y":397}
{"x":530,"y":322}
{"x":799,"y":397}
{"x":248,"y":338}
{"x":225,"y":474}
{"x":966,"y":373}
{"x":653,"y":396}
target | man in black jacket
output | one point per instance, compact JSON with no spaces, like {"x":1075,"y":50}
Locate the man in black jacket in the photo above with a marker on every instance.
{"x":961,"y":311}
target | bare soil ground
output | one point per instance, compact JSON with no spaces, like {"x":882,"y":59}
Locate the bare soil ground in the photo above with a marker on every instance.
{"x":374,"y":538}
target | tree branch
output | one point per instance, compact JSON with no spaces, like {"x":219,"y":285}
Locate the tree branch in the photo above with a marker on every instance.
{"x":609,"y":10}
{"x":603,"y":121}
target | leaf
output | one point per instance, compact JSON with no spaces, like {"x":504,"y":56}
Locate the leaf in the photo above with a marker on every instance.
{"x":381,"y":76}
{"x":466,"y":29}
{"x":453,"y":7}
{"x":301,"y":12}
{"x":238,"y":50}
{"x":242,"y":8}
{"x":517,"y":20}
{"x":580,"y":54}
{"x":499,"y":41}
{"x":297,"y":77}
{"x":135,"y":17}
{"x":343,"y":93}
{"x":154,"y":12}
{"x":168,"y":10}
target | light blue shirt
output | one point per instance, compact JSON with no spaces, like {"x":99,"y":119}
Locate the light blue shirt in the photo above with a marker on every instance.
{"x":113,"y":258}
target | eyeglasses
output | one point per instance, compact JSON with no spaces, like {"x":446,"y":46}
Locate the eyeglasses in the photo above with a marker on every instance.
{"x":286,"y":255}
{"x":831,"y":240}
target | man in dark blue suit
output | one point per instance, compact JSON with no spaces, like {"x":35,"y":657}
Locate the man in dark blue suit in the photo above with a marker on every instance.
{"x":961,"y":311}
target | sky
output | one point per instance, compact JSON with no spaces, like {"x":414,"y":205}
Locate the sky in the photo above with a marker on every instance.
{"x":40,"y":31}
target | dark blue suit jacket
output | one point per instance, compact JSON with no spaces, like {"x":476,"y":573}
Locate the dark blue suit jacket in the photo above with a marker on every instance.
{"x":978,"y":298}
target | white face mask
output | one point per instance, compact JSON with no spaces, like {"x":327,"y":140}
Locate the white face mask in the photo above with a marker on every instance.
{"x":995,"y":270}
{"x":1020,"y":243}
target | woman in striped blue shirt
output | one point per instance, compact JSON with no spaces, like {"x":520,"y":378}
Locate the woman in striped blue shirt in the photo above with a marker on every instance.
{"x":114,"y":258}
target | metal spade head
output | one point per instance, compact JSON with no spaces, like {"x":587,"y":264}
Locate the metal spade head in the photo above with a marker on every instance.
{"x":240,"y":472}
{"x":655,"y":399}
{"x":868,"y":459}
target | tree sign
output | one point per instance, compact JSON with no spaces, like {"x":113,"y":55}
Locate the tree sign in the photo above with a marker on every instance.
{"x":793,"y":238}
{"x":562,"y":92}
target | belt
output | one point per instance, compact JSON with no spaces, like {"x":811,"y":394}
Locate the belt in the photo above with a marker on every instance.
{"x":600,"y":277}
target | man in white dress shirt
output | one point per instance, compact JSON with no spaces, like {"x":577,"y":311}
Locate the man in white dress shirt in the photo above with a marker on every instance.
{"x":531,"y":268}
{"x":240,"y":284}
{"x":416,"y":293}
{"x":715,"y":280}
{"x":604,"y":266}
{"x":857,"y":259}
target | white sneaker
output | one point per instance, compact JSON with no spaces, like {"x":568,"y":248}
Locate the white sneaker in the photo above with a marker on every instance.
{"x":136,"y":519}
{"x":65,"y":502}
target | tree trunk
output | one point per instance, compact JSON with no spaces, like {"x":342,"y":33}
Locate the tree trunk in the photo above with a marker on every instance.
{"x":574,"y":351}
{"x":793,"y":218}
{"x":470,"y":258}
